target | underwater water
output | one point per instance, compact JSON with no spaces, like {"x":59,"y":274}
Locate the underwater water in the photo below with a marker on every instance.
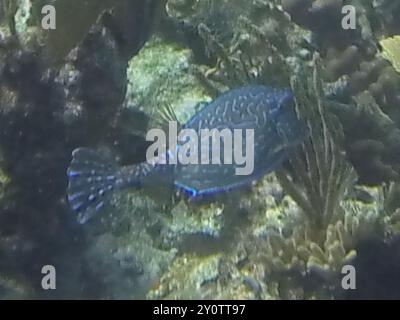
{"x":185,"y":149}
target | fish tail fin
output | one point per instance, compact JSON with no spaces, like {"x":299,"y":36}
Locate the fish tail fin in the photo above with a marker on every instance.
{"x":92,"y":179}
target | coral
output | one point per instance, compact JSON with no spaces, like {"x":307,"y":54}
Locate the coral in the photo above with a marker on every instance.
{"x":317,"y":178}
{"x":311,"y":255}
{"x":129,"y":256}
{"x":98,"y":65}
{"x":270,"y":210}
{"x":205,"y":220}
{"x":14,"y":289}
{"x":377,"y":271}
{"x":22,"y":15}
{"x":38,"y":135}
{"x":319,"y":175}
{"x":342,"y":63}
{"x":67,"y":35}
{"x":186,"y":277}
{"x":248,"y":51}
{"x":273,"y":255}
{"x":353,"y":56}
{"x":87,"y":73}
{"x":222,"y":267}
{"x":159,"y":77}
{"x":4,"y":182}
{"x":286,"y":236}
{"x":8,"y":10}
{"x":391,"y":51}
{"x":326,"y":228}
{"x":218,"y":276}
{"x":372,"y":146}
{"x":384,"y":16}
{"x":74,"y":21}
{"x":317,"y":12}
{"x":186,"y":16}
{"x":313,"y":265}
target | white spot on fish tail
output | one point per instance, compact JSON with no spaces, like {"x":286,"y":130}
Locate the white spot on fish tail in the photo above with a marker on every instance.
{"x":74,"y":196}
{"x":76,"y":206}
{"x":91,"y":197}
{"x":99,"y":205}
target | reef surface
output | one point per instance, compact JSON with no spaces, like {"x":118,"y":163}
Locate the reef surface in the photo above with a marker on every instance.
{"x":113,"y":70}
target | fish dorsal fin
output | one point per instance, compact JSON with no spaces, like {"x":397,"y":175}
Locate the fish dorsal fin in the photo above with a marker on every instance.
{"x":162,"y":116}
{"x":201,"y":105}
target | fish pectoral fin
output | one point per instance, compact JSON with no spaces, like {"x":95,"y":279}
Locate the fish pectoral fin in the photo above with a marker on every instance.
{"x":164,"y":115}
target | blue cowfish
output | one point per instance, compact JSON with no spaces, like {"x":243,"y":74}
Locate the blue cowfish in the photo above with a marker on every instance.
{"x":270,"y":112}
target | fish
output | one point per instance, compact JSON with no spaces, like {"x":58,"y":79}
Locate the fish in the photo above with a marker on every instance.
{"x":271,"y":114}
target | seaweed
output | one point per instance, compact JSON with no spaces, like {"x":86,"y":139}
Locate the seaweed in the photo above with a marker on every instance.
{"x":320,"y":174}
{"x":10,"y":8}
